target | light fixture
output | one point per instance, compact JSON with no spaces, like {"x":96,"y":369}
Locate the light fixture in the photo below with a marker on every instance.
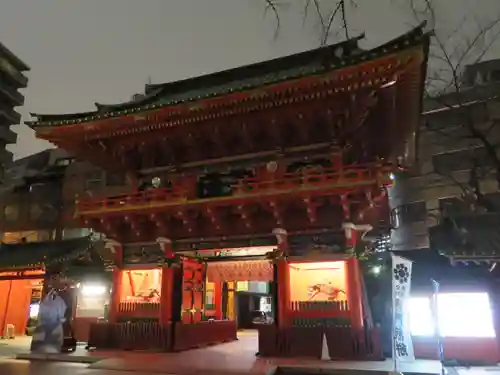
{"x":93,"y":290}
{"x":156,"y":182}
{"x":34,"y":310}
{"x":376,"y":270}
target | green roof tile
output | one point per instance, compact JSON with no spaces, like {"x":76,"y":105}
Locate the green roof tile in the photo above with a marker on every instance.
{"x":36,"y":254}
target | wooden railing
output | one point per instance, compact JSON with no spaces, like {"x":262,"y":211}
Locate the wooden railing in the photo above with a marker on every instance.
{"x":131,"y":336}
{"x":344,"y":343}
{"x":190,"y":336}
{"x":309,"y":179}
{"x":139,"y":309}
{"x":140,"y":198}
{"x":319,"y":309}
{"x":164,"y":337}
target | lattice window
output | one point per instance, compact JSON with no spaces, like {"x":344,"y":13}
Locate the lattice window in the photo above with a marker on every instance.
{"x":115,"y":179}
{"x":93,"y":180}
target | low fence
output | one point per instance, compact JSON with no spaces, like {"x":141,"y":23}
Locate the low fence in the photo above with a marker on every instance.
{"x":318,"y":309}
{"x":131,"y":336}
{"x":189,"y":336}
{"x":344,"y":343}
{"x":155,"y":336}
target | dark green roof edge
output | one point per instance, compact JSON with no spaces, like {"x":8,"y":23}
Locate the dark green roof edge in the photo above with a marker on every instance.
{"x":13,"y":58}
{"x":474,"y":236}
{"x":247,"y":77}
{"x":32,"y":255}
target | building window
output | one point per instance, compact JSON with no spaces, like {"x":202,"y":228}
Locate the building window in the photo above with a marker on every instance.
{"x":64,"y":162}
{"x":453,"y":207}
{"x":26,"y":236}
{"x":75,"y":233}
{"x":115,"y":179}
{"x":495,"y":75}
{"x":410,"y":213}
{"x":93,"y":180}
{"x":446,"y":118}
{"x":459,"y":160}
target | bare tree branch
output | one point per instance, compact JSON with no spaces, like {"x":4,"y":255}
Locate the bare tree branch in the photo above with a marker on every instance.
{"x":272,"y":6}
{"x":324,"y":16}
{"x":445,"y":88}
{"x":330,"y":22}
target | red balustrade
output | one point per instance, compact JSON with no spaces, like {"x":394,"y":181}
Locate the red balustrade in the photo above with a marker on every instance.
{"x":302,"y":180}
{"x":318,"y":177}
{"x":318,"y":309}
{"x":139,"y":309}
{"x":140,"y":198}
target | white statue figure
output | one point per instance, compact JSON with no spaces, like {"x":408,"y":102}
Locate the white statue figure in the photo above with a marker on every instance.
{"x":48,"y":336}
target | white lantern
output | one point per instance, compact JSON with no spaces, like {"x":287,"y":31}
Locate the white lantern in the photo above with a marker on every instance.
{"x":272,"y":166}
{"x":156,"y":182}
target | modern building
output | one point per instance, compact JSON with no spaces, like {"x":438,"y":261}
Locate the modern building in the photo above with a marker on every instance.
{"x":436,"y":214}
{"x":439,"y":185}
{"x":38,"y":196}
{"x":12,"y":79}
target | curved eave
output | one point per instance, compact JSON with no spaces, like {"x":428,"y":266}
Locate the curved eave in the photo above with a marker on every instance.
{"x":36,"y":255}
{"x":151,"y":96}
{"x":47,"y":119}
{"x":324,"y":57}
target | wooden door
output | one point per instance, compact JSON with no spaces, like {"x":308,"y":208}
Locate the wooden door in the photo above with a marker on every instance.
{"x":193,"y":285}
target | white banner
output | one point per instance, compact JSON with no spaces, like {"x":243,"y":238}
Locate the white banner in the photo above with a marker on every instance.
{"x":401,"y":284}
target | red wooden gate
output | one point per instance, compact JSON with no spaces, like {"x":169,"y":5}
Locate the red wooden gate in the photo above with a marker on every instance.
{"x":193,"y":285}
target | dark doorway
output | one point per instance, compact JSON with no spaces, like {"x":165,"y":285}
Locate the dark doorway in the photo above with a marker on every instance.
{"x":247,"y":305}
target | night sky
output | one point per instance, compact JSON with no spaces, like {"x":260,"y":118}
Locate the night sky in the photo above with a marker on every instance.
{"x":82,"y":52}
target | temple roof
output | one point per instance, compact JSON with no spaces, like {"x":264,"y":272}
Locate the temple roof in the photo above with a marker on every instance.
{"x":33,"y":255}
{"x":474,"y":238}
{"x":312,"y":62}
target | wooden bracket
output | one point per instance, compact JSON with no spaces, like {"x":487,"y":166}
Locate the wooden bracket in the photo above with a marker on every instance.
{"x":311,"y":209}
{"x":245,"y":216}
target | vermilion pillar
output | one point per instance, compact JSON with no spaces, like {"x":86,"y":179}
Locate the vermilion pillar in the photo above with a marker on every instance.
{"x":354,"y":290}
{"x":166,"y":295}
{"x":283,"y":293}
{"x":218,"y":300}
{"x":117,"y":249}
{"x":167,"y":278}
{"x":282,"y":278}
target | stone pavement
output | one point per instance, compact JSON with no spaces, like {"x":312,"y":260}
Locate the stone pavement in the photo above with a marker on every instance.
{"x":239,"y":358}
{"x":231,"y":358}
{"x":480,"y":370}
{"x":17,"y":367}
{"x":19,"y":348}
{"x":9,"y":348}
